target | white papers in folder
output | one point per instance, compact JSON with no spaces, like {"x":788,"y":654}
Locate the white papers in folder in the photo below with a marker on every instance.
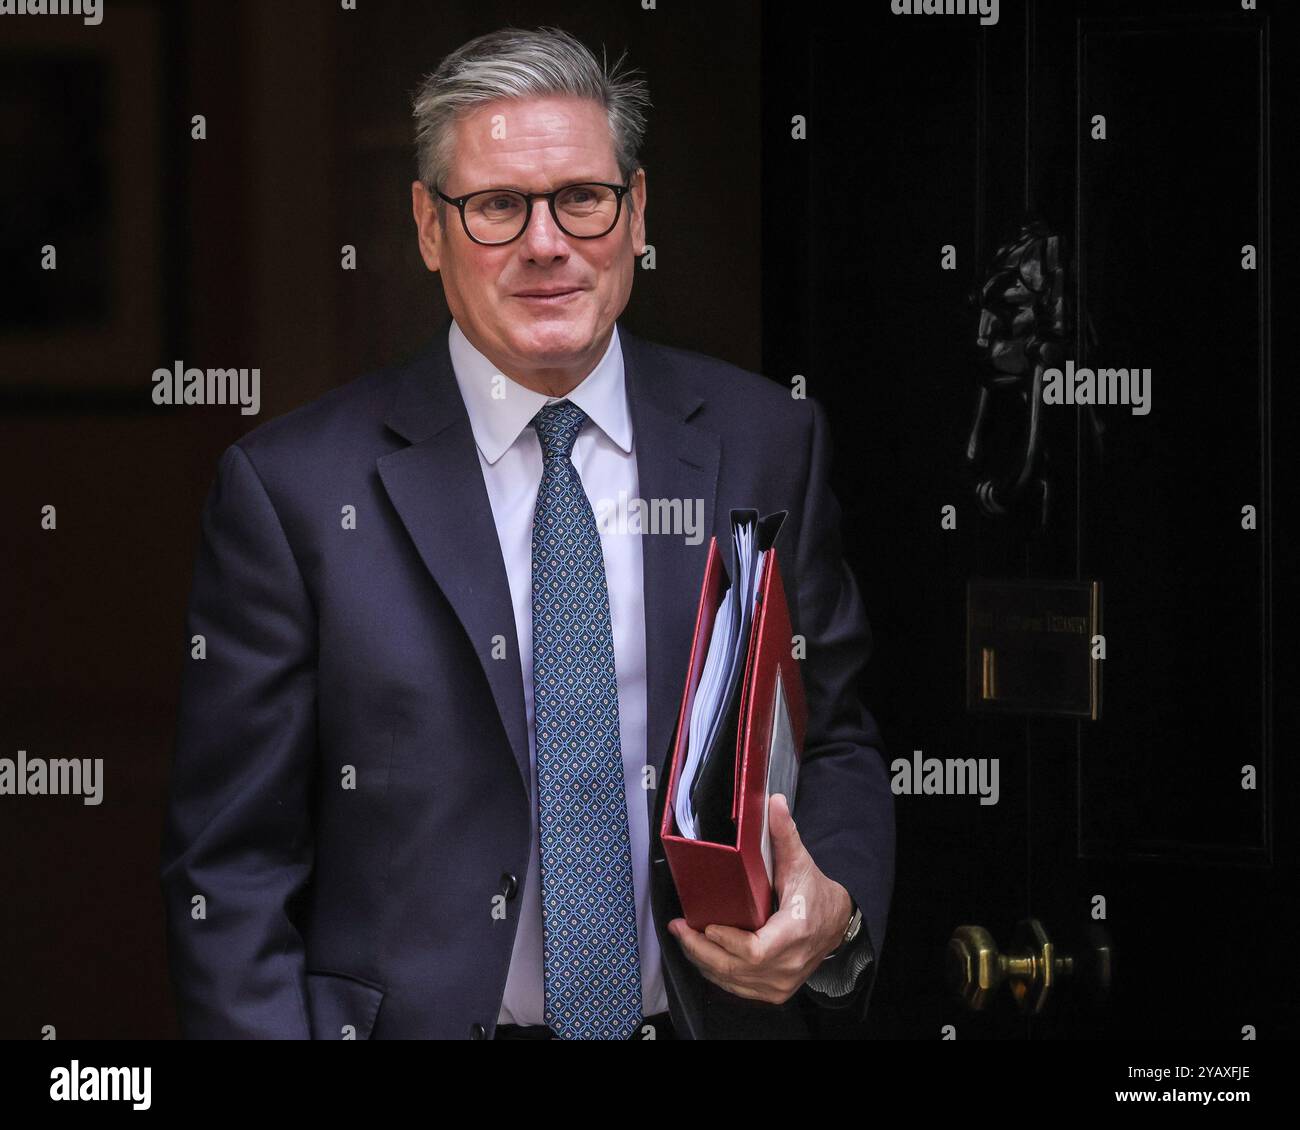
{"x":723,"y":668}
{"x":782,"y":768}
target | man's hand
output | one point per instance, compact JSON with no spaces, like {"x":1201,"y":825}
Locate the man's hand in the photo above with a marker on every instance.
{"x":771,"y":963}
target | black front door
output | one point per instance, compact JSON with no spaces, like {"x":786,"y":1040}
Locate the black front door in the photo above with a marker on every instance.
{"x":1130,"y":870}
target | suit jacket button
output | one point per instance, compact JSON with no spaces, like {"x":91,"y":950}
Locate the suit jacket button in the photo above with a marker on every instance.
{"x":477,"y":1032}
{"x":509,"y":885}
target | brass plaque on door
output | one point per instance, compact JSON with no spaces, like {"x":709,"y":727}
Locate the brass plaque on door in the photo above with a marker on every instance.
{"x":1034,"y":647}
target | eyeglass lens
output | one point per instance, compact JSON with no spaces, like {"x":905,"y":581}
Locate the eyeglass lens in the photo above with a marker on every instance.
{"x":584,"y":210}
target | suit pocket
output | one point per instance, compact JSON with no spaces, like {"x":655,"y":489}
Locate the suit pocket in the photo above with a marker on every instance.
{"x":341,"y":1006}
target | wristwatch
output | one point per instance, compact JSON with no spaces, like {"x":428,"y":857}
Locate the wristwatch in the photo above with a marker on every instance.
{"x":850,"y":932}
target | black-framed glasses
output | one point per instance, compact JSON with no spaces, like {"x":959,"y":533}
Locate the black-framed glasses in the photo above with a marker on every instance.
{"x":587,"y":210}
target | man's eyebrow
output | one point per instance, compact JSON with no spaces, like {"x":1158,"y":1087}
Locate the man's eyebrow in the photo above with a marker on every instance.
{"x":514,"y":186}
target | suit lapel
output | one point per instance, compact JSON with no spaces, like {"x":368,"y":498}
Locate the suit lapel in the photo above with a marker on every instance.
{"x":676,"y":459}
{"x":436,"y":486}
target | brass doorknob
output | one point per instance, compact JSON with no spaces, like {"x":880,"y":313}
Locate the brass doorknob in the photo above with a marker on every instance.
{"x":1032,"y":966}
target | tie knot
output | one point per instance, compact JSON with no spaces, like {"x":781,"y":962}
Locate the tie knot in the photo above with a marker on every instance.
{"x":557,"y":427}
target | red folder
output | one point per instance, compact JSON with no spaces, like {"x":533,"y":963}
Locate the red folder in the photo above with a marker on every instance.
{"x":727,"y":884}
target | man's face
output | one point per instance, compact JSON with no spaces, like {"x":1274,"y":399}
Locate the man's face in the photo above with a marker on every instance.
{"x":534,"y":146}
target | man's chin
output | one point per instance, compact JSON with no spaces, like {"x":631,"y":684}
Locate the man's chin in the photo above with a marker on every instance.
{"x":559,"y":343}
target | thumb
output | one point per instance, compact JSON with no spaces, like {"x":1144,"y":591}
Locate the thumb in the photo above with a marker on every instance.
{"x":787,"y":848}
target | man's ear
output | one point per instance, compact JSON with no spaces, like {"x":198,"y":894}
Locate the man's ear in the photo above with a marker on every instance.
{"x":428,"y":230}
{"x":638,"y":211}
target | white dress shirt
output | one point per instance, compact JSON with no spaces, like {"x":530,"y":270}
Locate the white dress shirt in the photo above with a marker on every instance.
{"x":510,"y":454}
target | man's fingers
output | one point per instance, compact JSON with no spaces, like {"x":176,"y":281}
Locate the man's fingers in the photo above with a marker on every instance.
{"x":781,"y":930}
{"x":739,"y":943}
{"x":789,"y":856}
{"x":750,"y":969}
{"x":708,"y":955}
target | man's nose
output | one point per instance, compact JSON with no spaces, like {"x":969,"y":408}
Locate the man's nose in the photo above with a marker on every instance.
{"x":543,"y":238}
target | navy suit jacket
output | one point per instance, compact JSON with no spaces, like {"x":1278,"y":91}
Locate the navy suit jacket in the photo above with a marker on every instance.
{"x":349,"y":809}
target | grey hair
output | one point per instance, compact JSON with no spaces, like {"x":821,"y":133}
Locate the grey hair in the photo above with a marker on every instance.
{"x":516,"y":63}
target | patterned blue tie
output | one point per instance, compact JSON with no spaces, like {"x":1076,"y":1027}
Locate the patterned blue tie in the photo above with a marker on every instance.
{"x":591,"y":965}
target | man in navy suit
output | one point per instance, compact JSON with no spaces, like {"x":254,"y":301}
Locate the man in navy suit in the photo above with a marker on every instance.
{"x":415,"y":790}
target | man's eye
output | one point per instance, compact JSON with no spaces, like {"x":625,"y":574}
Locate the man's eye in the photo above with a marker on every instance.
{"x":499,"y":205}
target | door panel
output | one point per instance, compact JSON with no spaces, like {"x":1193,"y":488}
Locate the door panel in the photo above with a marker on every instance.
{"x":926,"y":133}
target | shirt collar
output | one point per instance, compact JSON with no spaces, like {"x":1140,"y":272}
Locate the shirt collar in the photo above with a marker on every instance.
{"x":497,"y":421}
